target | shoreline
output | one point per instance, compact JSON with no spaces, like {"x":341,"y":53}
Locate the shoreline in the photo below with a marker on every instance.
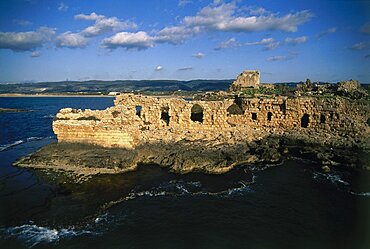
{"x":85,"y":160}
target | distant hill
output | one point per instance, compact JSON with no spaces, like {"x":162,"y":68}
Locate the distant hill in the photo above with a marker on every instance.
{"x":98,"y":86}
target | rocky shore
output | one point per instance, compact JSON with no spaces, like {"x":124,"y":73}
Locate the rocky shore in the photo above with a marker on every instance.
{"x":213,"y":157}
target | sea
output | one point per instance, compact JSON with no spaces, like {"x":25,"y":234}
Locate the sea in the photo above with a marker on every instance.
{"x":292,"y":205}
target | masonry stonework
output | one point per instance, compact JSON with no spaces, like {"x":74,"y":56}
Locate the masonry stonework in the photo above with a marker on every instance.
{"x":137,"y":119}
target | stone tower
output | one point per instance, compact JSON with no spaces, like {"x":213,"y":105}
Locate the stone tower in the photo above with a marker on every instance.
{"x":247,"y":79}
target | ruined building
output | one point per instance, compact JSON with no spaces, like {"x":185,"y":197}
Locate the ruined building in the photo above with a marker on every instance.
{"x":247,"y":79}
{"x":137,"y":119}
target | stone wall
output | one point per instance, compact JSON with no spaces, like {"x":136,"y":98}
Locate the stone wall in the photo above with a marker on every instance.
{"x":136,"y":119}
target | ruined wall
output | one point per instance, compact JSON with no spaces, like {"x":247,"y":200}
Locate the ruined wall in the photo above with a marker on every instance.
{"x":136,"y":119}
{"x":246,"y":79}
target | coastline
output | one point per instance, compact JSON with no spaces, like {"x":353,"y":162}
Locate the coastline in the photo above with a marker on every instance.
{"x":82,"y":161}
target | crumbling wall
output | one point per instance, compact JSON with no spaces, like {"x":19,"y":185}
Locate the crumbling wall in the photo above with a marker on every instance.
{"x":136,"y":119}
{"x":246,"y":79}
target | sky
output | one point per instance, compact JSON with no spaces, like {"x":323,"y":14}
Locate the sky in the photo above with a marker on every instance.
{"x":46,"y":40}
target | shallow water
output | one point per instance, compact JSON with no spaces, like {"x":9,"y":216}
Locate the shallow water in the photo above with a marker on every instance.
{"x":292,"y":205}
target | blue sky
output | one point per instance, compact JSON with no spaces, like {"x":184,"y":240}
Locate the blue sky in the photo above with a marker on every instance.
{"x":43,"y":40}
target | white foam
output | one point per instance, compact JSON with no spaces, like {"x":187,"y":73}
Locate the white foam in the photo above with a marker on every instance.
{"x":21,"y":141}
{"x":7,"y":146}
{"x":334,"y":177}
{"x":33,"y":235}
{"x":367,"y":194}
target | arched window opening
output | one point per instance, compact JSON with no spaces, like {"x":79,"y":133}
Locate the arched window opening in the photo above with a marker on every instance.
{"x":283,"y":107}
{"x":138,"y":110}
{"x":322,"y":119}
{"x":164,"y":115}
{"x":269,"y":116}
{"x":197,"y":113}
{"x":234,"y":109}
{"x":305,"y":120}
{"x":254,"y":116}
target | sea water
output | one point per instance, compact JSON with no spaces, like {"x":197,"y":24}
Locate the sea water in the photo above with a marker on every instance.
{"x":293,"y":205}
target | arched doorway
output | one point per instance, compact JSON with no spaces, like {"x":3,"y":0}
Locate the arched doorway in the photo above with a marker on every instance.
{"x":197,"y":113}
{"x":305,"y":120}
{"x":269,"y":116}
{"x":164,"y":115}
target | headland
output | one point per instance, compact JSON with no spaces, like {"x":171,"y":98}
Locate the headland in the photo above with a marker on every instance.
{"x":216,"y":131}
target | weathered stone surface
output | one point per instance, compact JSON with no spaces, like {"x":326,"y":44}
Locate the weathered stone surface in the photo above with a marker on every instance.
{"x":137,"y":119}
{"x":247,"y":79}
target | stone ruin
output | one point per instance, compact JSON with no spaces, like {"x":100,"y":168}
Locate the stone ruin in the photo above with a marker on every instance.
{"x":137,"y":119}
{"x":246,"y":79}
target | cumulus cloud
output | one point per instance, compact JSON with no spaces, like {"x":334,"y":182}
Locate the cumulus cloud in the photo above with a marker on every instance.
{"x":103,"y":24}
{"x":326,"y":32}
{"x":365,"y":29}
{"x":71,"y":40}
{"x":35,"y":54}
{"x":224,"y":17}
{"x":130,"y":41}
{"x":360,"y":46}
{"x":198,"y":55}
{"x":26,"y":41}
{"x":63,"y":7}
{"x":230,"y":43}
{"x":295,"y":41}
{"x":158,"y":68}
{"x":185,"y":69}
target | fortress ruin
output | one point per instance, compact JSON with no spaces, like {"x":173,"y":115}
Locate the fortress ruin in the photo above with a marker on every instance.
{"x":136,"y":119}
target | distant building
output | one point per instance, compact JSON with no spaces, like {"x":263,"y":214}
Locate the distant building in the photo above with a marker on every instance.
{"x":246,"y":79}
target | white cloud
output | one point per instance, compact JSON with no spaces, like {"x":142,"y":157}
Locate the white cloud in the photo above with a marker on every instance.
{"x":22,"y":22}
{"x":26,"y":41}
{"x":130,"y":41}
{"x":282,"y":57}
{"x":228,"y":44}
{"x":158,"y":68}
{"x":103,"y":24}
{"x":63,"y":7}
{"x":365,"y":29}
{"x":182,"y":3}
{"x":277,"y":58}
{"x":223,"y":17}
{"x":360,"y":46}
{"x":185,"y":69}
{"x":92,"y":17}
{"x":199,"y":55}
{"x":268,"y":43}
{"x":35,"y":54}
{"x":71,"y":40}
{"x":295,"y":41}
{"x":326,"y":32}
{"x":173,"y":35}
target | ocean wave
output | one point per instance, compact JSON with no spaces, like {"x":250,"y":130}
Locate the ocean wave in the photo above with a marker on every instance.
{"x":7,"y":146}
{"x":49,"y":116}
{"x":178,"y":188}
{"x":21,"y":141}
{"x":367,"y":194}
{"x":332,"y":177}
{"x":33,"y":235}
